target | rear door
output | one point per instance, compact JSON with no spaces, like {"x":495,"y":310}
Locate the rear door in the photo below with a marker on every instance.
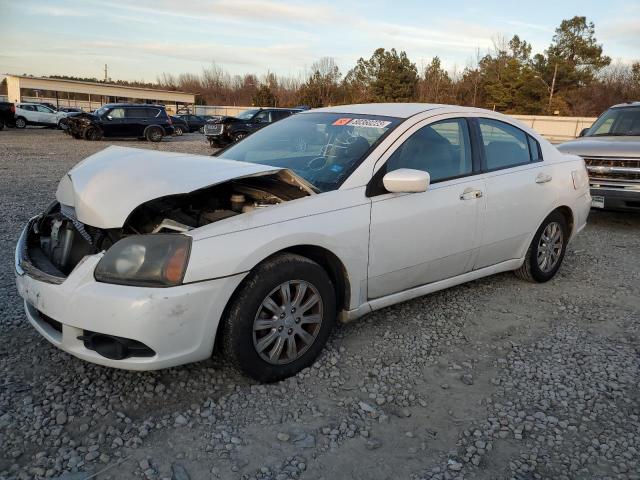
{"x":519,"y":191}
{"x":45,"y":115}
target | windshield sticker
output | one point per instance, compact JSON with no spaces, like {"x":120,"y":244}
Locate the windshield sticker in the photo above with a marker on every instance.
{"x":341,"y":121}
{"x":366,"y":122}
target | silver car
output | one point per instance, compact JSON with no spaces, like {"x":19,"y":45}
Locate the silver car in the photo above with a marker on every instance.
{"x":611,"y":151}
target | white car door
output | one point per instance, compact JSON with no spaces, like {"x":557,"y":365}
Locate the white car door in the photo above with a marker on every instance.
{"x":419,"y":238}
{"x":519,"y":192}
{"x":46,"y":115}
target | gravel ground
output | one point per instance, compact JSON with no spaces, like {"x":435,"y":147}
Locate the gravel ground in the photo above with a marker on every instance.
{"x":493,"y":379}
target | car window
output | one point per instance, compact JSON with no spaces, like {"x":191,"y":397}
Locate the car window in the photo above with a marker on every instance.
{"x":42,"y":108}
{"x":504,"y":145}
{"x":535,"y":151}
{"x":29,"y":108}
{"x":279,"y":115}
{"x":136,"y":112}
{"x":151,"y":112}
{"x":617,"y":121}
{"x":116,"y":113}
{"x":262,"y":117}
{"x":442,"y":149}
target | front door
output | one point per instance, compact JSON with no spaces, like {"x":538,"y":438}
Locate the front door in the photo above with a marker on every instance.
{"x":419,"y":238}
{"x":113,"y":122}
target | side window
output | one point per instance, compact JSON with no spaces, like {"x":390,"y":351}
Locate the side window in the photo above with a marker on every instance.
{"x":279,"y":115}
{"x":116,"y":113}
{"x":43,"y":109}
{"x":442,"y":149}
{"x":151,"y":112}
{"x":504,"y":145}
{"x":136,"y":112}
{"x":262,"y":117}
{"x":535,"y":151}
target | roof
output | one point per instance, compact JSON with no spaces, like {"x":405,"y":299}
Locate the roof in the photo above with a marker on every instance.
{"x":627,"y":104}
{"x":101,"y":84}
{"x":399,"y":110}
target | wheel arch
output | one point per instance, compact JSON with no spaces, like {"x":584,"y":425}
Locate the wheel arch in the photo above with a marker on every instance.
{"x":329,"y":261}
{"x":568,"y":215}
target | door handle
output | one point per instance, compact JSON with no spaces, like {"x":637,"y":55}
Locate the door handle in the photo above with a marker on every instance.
{"x":470,"y":193}
{"x":543,"y":178}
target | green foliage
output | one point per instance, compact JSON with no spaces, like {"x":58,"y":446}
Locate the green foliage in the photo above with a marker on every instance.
{"x":388,"y":76}
{"x":264,"y":97}
{"x":322,"y":88}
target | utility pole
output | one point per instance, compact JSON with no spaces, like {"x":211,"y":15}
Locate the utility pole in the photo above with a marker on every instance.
{"x":553,"y":85}
{"x":105,"y":72}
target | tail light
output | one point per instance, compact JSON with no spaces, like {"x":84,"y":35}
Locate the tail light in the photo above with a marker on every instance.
{"x":169,"y":119}
{"x":13,"y":108}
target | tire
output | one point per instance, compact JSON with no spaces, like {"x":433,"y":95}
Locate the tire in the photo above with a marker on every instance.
{"x":201,"y":130}
{"x":239,"y":136}
{"x":21,"y":122}
{"x":92,"y":134}
{"x":535,"y":268}
{"x":178,"y":131}
{"x":242,"y":344}
{"x":153,"y":134}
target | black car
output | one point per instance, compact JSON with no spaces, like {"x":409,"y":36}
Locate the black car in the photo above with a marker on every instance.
{"x":194,"y":122}
{"x":7,"y":114}
{"x":122,"y":120}
{"x":227,"y":130}
{"x":179,"y":125}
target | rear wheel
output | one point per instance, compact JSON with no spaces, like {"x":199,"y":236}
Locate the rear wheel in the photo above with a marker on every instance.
{"x":21,"y":122}
{"x":281,"y":318}
{"x":153,"y":134}
{"x":547,"y":249}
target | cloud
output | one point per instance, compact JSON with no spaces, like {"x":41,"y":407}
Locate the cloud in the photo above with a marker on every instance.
{"x":56,"y":11}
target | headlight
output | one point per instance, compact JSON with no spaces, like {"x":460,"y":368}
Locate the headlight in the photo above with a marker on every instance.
{"x":154,"y":260}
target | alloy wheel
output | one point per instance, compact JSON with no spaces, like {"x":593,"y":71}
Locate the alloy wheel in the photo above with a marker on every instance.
{"x":550,"y":247}
{"x":287,"y":322}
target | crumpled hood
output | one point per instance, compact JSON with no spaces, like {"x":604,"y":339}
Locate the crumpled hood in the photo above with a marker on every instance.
{"x":628,"y":147}
{"x":106,"y":187}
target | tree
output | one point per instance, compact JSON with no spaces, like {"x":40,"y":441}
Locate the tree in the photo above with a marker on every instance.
{"x":264,"y":97}
{"x":435,"y":86}
{"x":388,"y":76}
{"x":322,"y":86}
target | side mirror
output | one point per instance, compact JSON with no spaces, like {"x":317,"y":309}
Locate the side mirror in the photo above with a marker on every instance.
{"x":109,"y":117}
{"x":583,"y":132}
{"x":406,"y":180}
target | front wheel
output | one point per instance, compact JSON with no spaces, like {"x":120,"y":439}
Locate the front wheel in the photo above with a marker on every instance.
{"x":280,"y":320}
{"x":239,"y":136}
{"x":93,"y":134}
{"x":21,"y":122}
{"x":178,"y":131}
{"x":547,"y":249}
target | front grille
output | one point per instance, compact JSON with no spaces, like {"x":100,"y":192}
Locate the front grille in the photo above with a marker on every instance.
{"x":608,"y":169}
{"x":213,"y":129}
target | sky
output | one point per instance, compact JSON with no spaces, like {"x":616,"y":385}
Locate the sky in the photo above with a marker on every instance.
{"x":140,"y":40}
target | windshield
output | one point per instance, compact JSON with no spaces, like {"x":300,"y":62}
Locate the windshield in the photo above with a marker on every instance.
{"x":247,"y":114}
{"x":617,"y":122}
{"x":322,"y":148}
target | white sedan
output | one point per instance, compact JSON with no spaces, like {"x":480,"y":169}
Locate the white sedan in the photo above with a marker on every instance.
{"x":148,"y":259}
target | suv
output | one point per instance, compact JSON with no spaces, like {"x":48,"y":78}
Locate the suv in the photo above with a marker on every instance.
{"x":37,"y":114}
{"x":226,"y":130}
{"x":7,"y":114}
{"x":122,"y":120}
{"x":611,"y":151}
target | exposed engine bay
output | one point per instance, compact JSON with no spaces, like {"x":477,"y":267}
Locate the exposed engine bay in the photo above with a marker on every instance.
{"x":58,"y":241}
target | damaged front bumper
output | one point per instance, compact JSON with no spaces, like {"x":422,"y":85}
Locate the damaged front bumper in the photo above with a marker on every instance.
{"x":134,"y":328}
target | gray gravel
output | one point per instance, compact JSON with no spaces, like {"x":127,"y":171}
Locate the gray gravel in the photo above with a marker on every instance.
{"x":493,"y":379}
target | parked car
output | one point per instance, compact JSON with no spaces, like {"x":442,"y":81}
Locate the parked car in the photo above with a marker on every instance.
{"x":36,"y":114}
{"x":63,"y":124}
{"x":611,"y":150}
{"x":70,"y":110}
{"x":122,"y":120}
{"x":227,"y":130}
{"x":147,"y":258}
{"x":195,"y":122}
{"x":7,"y":114}
{"x":179,"y":125}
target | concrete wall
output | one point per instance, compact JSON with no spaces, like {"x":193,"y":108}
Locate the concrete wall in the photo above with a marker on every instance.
{"x":556,"y":129}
